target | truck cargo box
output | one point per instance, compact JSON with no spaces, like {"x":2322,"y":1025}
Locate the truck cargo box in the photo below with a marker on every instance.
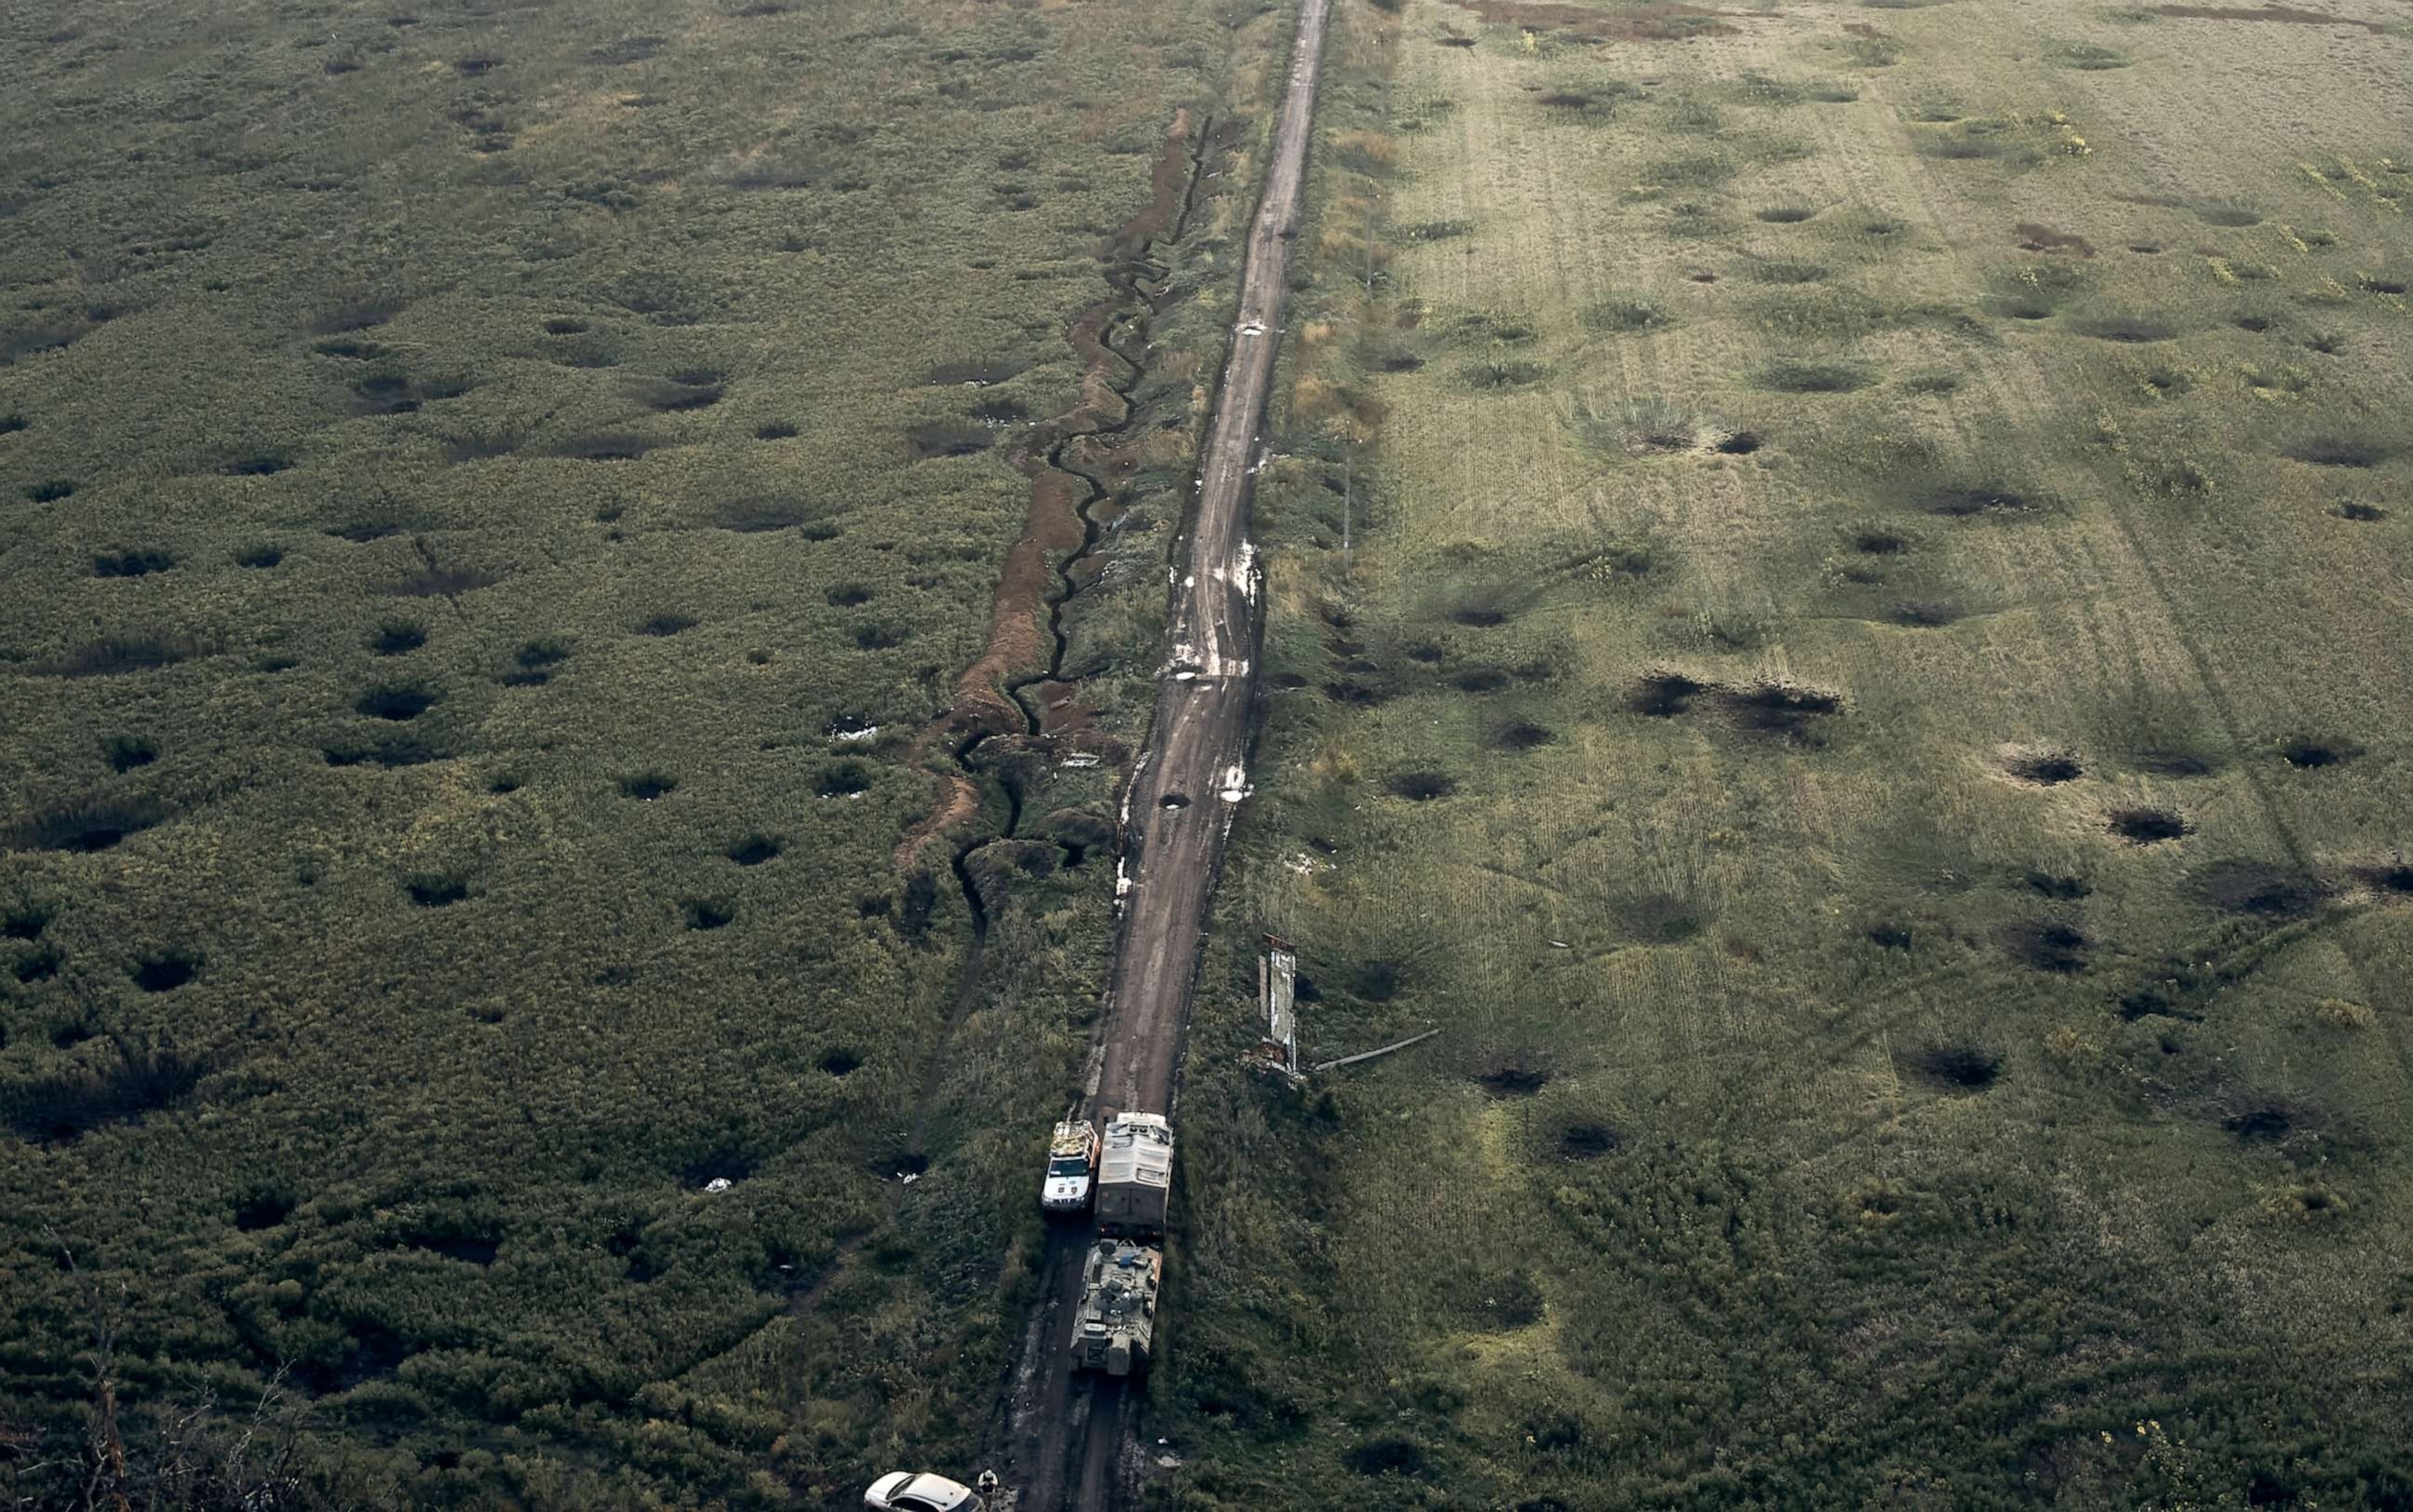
{"x":1135,"y":1175}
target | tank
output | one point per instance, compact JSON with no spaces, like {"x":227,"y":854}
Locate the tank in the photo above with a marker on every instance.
{"x":1135,"y":1175}
{"x":1116,"y":1325}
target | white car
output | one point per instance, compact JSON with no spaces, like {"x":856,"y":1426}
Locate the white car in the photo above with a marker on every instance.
{"x":903,"y":1490}
{"x":1072,"y":1167}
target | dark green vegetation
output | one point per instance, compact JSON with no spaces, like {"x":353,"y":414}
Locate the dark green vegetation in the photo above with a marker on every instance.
{"x":489,"y":497}
{"x":1884,"y":761}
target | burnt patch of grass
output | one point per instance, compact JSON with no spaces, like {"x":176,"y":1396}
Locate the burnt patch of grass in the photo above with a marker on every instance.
{"x":2146,"y":827}
{"x":165,"y":970}
{"x":131,"y":563}
{"x":126,"y":753}
{"x":647,"y":786}
{"x":1421,"y":787}
{"x":94,"y":824}
{"x":143,"y":1079}
{"x":756,"y":848}
{"x":2260,"y":889}
{"x":1510,"y":1079}
{"x":2340,"y":452}
{"x":398,"y":702}
{"x":2046,"y":946}
{"x":1962,"y":1067}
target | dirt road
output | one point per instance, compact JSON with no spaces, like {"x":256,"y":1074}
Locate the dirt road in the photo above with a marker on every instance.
{"x":1070,"y":1441}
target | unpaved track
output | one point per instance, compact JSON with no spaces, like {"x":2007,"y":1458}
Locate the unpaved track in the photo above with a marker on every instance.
{"x":1070,"y":1441}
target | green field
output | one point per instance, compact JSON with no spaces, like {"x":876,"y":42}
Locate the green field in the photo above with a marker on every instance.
{"x":1865,"y":699}
{"x":471,"y":474}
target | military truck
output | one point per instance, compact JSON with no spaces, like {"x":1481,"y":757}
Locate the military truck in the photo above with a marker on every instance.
{"x":1135,"y":1175}
{"x":1117,"y":1323}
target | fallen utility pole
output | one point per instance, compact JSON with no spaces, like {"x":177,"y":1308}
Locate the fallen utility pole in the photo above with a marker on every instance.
{"x":1368,"y":1055}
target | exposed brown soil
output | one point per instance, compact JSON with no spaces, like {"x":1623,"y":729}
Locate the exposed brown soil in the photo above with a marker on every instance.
{"x":1020,"y":633}
{"x":2032,"y":237}
{"x":2278,"y":13}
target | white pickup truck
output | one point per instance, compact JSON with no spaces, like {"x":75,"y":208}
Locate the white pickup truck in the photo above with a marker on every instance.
{"x":1072,"y":1167}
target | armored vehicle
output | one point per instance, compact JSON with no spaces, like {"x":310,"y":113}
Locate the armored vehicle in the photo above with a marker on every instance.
{"x":1117,"y":1323}
{"x":1135,"y":1175}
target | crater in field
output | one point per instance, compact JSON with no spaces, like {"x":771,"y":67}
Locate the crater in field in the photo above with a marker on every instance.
{"x":1740,"y":444}
{"x":1968,"y":1068}
{"x":165,"y":971}
{"x":1513,"y":1080}
{"x":1889,"y":936}
{"x":948,"y":439}
{"x":49,"y":492}
{"x":2387,"y":877}
{"x":707,"y":913}
{"x":1421,"y":787}
{"x":1658,"y":918}
{"x":754,"y":517}
{"x":2045,"y":945}
{"x":1588,"y":1141}
{"x":83,"y":827}
{"x":2059,"y":889}
{"x":2264,"y":1121}
{"x":1787,"y":214}
{"x":1972,"y":503}
{"x":1782,"y":709}
{"x":2130,"y":330}
{"x":1815,"y":377}
{"x":840,"y":1063}
{"x":396,"y":637}
{"x":2030,"y":236}
{"x":1879,"y":543}
{"x":263,"y":555}
{"x":2349,"y":509}
{"x":1924,"y":614}
{"x":63,"y":1108}
{"x":1480,"y":617}
{"x":389,"y":751}
{"x":1521,"y":735}
{"x":878,"y":637}
{"x":131,"y":563}
{"x":2230,"y":215}
{"x":2310,"y":753}
{"x":436,"y":890}
{"x":26,"y":921}
{"x":605,"y":445}
{"x":262,"y":1208}
{"x":2260,"y":889}
{"x":672,"y":396}
{"x":842,"y":779}
{"x":397,"y":701}
{"x":2341,"y":452}
{"x":124,"y":753}
{"x":2045,"y":768}
{"x":1482,"y":680}
{"x":848,"y":595}
{"x":258,"y":465}
{"x":666,"y":624}
{"x":777,"y":430}
{"x":1174,"y":802}
{"x":647,"y":786}
{"x":1665,"y":694}
{"x":754,"y":849}
{"x":2146,"y":827}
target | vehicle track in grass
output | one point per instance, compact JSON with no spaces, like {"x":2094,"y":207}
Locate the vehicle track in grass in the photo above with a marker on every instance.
{"x":1075,"y":1442}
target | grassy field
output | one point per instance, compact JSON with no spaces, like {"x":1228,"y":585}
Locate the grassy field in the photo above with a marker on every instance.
{"x":1864,"y":697}
{"x":491,"y":496}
